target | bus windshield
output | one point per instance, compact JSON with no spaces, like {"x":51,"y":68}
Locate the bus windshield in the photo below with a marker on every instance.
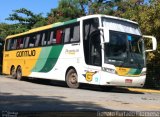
{"x":125,"y":50}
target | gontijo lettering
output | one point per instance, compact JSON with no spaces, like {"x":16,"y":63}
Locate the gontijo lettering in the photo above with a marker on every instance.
{"x":26,"y":53}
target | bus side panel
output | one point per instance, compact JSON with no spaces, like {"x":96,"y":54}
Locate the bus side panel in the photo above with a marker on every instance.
{"x":47,"y":62}
{"x":25,"y":58}
{"x":69,"y":56}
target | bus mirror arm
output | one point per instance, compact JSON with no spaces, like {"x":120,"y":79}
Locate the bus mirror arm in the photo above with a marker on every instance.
{"x":105,"y":33}
{"x":102,"y":46}
{"x":100,"y":28}
{"x":154,"y":42}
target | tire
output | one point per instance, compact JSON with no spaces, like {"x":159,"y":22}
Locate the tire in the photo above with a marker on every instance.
{"x":19,"y":73}
{"x":72,"y":79}
{"x":13,"y":73}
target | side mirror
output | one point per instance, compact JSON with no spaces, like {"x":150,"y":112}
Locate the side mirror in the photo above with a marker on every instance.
{"x":105,"y":33}
{"x":154,"y":42}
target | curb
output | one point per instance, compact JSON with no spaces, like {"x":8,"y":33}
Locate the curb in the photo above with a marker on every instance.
{"x":143,"y":90}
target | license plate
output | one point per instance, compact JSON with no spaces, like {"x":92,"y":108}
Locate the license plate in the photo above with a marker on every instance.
{"x":128,"y":81}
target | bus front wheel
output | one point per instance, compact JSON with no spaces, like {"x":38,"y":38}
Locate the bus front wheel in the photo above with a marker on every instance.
{"x":72,"y":79}
{"x":19,"y":73}
{"x":13,"y":72}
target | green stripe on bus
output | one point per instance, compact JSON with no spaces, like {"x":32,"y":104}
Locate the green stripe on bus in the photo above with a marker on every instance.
{"x":57,"y":24}
{"x":63,"y":23}
{"x":52,"y":58}
{"x":42,"y":59}
{"x":70,"y":21}
{"x":135,"y":71}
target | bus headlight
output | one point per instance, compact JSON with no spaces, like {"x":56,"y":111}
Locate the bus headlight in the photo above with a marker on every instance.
{"x":109,"y":70}
{"x":143,"y":73}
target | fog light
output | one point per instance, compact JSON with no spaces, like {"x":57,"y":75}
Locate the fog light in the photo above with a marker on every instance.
{"x":143,"y":73}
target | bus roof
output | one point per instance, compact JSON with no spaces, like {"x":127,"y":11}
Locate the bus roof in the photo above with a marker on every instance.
{"x":68,"y":22}
{"x":109,"y":17}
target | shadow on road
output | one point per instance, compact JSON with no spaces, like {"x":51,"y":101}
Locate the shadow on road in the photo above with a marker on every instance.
{"x":82,"y":86}
{"x":31,"y":105}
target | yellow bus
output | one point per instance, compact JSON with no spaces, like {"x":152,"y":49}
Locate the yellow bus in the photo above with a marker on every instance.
{"x":95,"y":49}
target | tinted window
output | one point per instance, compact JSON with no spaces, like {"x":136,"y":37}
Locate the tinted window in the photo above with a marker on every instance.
{"x":20,"y":43}
{"x":38,"y":40}
{"x":7,"y":45}
{"x":76,"y":34}
{"x":13,"y":44}
{"x":67,"y":37}
{"x":52,"y":37}
{"x":26,"y":42}
{"x":44,"y":38}
{"x":72,"y":34}
{"x":59,"y":34}
{"x":91,"y":42}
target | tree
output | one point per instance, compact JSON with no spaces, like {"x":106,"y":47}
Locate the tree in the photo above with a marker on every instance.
{"x":67,"y":9}
{"x":27,"y":18}
{"x":10,"y":29}
{"x":70,"y":9}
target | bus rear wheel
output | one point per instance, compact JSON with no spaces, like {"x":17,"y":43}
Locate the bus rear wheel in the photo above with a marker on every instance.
{"x":19,"y":73}
{"x":72,"y":79}
{"x":13,"y":73}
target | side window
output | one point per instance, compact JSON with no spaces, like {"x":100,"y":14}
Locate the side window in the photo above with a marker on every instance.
{"x":72,"y":34}
{"x":59,"y":34}
{"x":44,"y":38}
{"x":89,"y":26}
{"x":26,"y":42}
{"x":7,"y":44}
{"x":38,"y":40}
{"x":67,"y":35}
{"x":32,"y":41}
{"x":20,"y":43}
{"x":76,"y":34}
{"x":13,"y":44}
{"x":52,"y":37}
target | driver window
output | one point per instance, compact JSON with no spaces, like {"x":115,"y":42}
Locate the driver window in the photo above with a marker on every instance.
{"x":91,"y":42}
{"x":95,"y":49}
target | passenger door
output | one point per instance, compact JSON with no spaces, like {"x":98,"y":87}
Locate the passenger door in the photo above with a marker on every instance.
{"x":92,"y":48}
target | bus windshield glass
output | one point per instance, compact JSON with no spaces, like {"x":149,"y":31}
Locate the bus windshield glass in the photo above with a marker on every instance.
{"x":125,"y":47}
{"x":125,"y":50}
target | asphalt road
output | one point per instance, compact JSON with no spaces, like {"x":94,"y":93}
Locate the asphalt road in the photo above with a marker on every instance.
{"x":33,"y":95}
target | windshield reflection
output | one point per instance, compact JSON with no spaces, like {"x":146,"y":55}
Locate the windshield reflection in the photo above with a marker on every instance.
{"x":116,"y":48}
{"x":124,"y":50}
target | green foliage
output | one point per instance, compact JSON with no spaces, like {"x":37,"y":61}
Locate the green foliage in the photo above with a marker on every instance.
{"x":103,"y":6}
{"x":9,"y":29}
{"x":67,"y":9}
{"x":4,"y":30}
{"x":27,"y":18}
